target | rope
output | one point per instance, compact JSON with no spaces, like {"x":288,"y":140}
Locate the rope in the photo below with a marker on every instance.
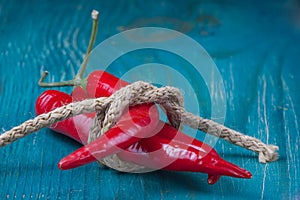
{"x":109,"y":110}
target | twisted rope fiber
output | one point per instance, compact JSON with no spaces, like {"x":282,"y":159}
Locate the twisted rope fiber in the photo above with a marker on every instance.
{"x":109,"y":109}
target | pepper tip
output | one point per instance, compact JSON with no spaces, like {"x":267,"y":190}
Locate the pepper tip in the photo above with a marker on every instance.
{"x":212,"y":179}
{"x":59,"y":165}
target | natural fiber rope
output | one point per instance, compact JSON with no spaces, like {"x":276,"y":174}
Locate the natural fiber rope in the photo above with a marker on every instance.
{"x":109,"y":109}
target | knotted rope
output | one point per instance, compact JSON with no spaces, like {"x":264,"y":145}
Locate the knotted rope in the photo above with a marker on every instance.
{"x":109,"y":110}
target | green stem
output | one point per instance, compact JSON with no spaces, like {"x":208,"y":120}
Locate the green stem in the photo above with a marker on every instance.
{"x":78,"y":77}
{"x":54,"y":84}
{"x":91,"y":45}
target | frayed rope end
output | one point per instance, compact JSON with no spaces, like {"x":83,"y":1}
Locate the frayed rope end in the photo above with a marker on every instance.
{"x":269,"y":155}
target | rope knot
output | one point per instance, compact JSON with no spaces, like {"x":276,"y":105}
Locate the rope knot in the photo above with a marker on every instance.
{"x":137,"y":93}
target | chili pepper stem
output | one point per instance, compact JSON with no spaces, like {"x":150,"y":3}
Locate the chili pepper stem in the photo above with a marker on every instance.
{"x":81,"y":70}
{"x":54,"y":84}
{"x":77,"y":80}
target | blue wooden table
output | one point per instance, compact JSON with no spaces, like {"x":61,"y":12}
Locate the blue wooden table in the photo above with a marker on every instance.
{"x":256,"y":48}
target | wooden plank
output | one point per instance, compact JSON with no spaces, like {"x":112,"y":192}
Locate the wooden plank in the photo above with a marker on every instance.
{"x":256,"y":49}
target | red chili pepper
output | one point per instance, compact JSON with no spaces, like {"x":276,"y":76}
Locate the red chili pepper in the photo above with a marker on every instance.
{"x":138,"y":122}
{"x":102,"y":84}
{"x":51,"y":99}
{"x":161,"y":140}
{"x":178,"y":156}
{"x":161,"y":153}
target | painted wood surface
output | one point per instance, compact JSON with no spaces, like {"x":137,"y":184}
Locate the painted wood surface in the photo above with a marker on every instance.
{"x":254,"y":44}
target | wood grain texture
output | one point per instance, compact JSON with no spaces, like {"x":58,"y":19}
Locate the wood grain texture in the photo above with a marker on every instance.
{"x":254,"y":44}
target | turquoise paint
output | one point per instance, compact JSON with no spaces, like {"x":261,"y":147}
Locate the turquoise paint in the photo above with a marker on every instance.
{"x":254,"y":44}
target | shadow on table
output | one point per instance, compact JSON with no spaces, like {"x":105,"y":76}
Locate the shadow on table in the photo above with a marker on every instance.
{"x":191,"y":184}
